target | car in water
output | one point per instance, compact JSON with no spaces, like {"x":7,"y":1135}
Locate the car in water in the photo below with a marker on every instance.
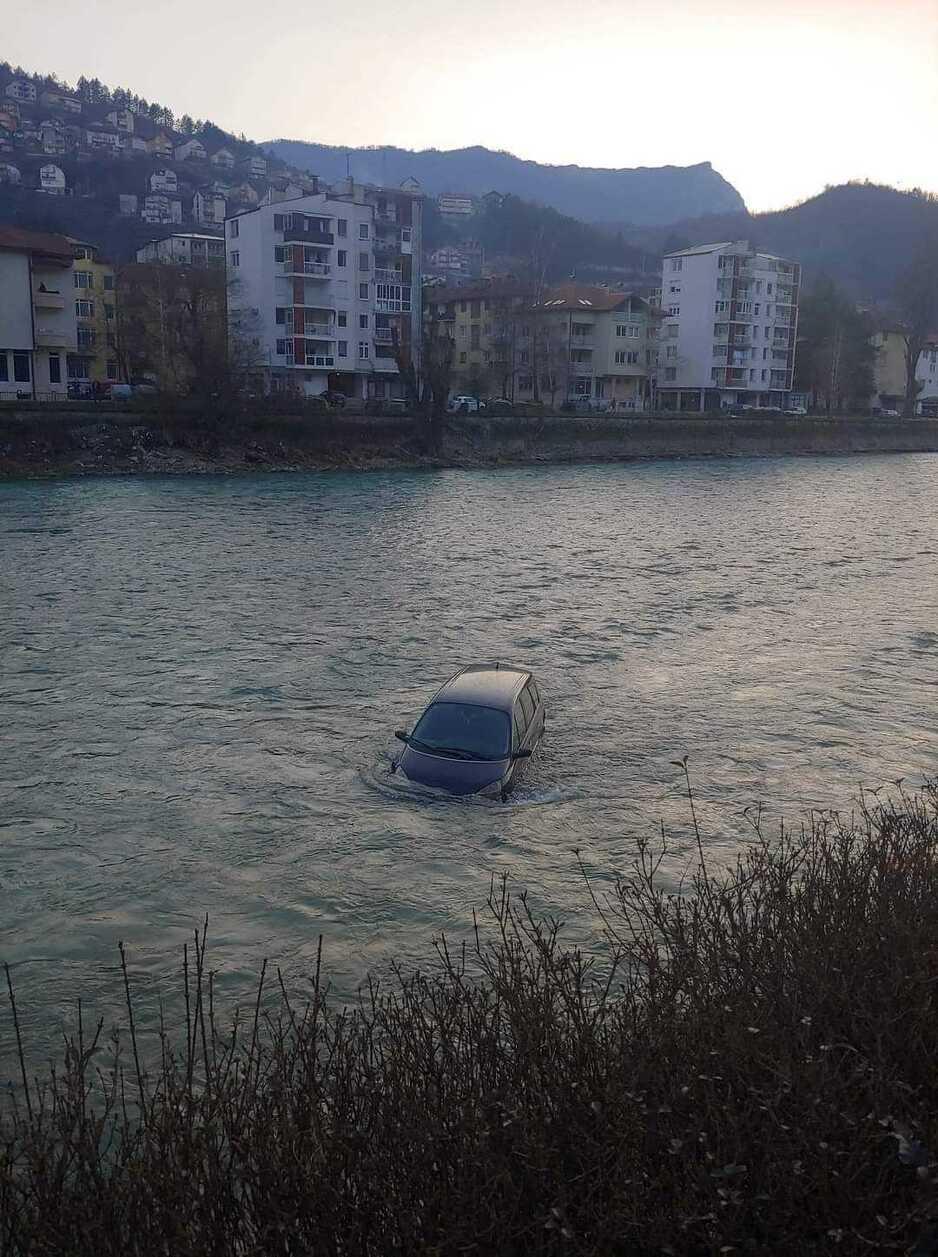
{"x":464,"y":404}
{"x":477,"y":732}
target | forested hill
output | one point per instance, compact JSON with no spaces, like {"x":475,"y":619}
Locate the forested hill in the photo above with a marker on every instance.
{"x":646,"y":195}
{"x":860,"y":234}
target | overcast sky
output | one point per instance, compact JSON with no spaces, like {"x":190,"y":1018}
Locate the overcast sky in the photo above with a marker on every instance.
{"x":782,"y":96}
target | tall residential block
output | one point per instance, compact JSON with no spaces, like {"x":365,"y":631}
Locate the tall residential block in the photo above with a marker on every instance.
{"x":322,"y":287}
{"x":729,"y":327}
{"x":38,"y":323}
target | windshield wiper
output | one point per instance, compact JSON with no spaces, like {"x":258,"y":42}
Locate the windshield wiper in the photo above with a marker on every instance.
{"x":460,"y":753}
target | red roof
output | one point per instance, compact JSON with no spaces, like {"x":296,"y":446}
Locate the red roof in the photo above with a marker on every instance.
{"x":35,"y":242}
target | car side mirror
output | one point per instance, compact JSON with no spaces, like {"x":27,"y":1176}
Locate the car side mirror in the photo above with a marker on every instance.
{"x":402,"y":735}
{"x":521,"y":755}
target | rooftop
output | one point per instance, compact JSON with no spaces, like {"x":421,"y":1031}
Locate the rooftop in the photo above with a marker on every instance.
{"x":43,"y":242}
{"x":484,"y":686}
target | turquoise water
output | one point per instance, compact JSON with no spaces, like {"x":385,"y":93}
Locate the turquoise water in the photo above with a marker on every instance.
{"x":200,"y":678}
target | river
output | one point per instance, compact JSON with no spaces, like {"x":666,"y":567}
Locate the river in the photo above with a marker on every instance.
{"x":200,"y":678}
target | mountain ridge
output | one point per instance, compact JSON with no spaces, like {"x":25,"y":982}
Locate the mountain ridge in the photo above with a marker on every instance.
{"x":641,"y":195}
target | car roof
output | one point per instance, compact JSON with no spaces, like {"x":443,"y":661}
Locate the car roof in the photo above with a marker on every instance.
{"x":484,"y":686}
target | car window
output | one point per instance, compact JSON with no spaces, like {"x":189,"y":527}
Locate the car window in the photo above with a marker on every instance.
{"x":517,"y":731}
{"x":463,"y":727}
{"x":535,"y":693}
{"x":527,"y":706}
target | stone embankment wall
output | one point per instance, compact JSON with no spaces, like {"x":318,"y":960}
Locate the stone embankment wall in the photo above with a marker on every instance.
{"x":98,"y":441}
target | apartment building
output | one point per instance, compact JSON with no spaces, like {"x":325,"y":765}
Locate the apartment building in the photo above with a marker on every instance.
{"x":208,"y":207}
{"x":38,"y":326}
{"x":577,"y":342}
{"x":184,"y":248}
{"x":728,"y":331}
{"x":321,"y":287}
{"x":95,"y":358}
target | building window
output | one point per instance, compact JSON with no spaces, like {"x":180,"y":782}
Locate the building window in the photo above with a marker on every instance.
{"x":108,"y":283}
{"x":364,"y":263}
{"x":284,"y":347}
{"x":620,"y":357}
{"x":343,"y":348}
{"x":670,"y":373}
{"x":523,"y":357}
{"x":55,"y":368}
{"x":525,"y":383}
{"x":463,"y":307}
{"x":715,"y":375}
{"x":363,"y":322}
{"x":280,"y":314}
{"x":720,"y":329}
{"x":278,"y":222}
{"x":755,"y":308}
{"x":341,"y":258}
{"x":674,"y":311}
{"x":84,"y":309}
{"x":341,"y":227}
{"x":475,"y":310}
{"x":671,"y":351}
{"x":235,"y":258}
{"x":112,"y":370}
{"x":363,"y":231}
{"x":21,"y":367}
{"x":744,"y":307}
{"x":462,"y":358}
{"x":677,"y":264}
{"x":363,"y":292}
{"x":283,"y":255}
{"x":720,"y":307}
{"x":108,"y":312}
{"x":363,"y":349}
{"x":342,"y":319}
{"x":233,"y":228}
{"x":4,"y":366}
{"x":84,"y":279}
{"x":764,"y":374}
{"x":474,"y":336}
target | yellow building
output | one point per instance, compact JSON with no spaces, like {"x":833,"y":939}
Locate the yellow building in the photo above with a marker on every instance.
{"x":577,"y":342}
{"x":95,"y":293}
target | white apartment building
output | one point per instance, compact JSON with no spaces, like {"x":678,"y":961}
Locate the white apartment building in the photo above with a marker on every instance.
{"x":184,"y":248}
{"x":321,"y":286}
{"x":729,"y":323}
{"x":38,"y":321}
{"x":22,"y":90}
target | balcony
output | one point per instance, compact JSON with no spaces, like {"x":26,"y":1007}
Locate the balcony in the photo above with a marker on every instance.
{"x":46,"y":338}
{"x":323,"y":239}
{"x":386,"y":244}
{"x":48,"y":300}
{"x":384,"y":336}
{"x":582,"y":342}
{"x":312,"y":270}
{"x":392,"y":307}
{"x":311,"y":360}
{"x":581,"y":368}
{"x":385,"y":276}
{"x":324,"y":331}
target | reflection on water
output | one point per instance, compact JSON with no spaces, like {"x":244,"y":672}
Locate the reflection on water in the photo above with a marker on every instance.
{"x":201,"y":678}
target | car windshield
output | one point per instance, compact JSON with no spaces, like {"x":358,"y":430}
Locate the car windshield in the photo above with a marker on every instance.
{"x":463,"y":730}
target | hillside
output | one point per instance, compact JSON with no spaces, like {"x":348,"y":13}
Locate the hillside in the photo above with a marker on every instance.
{"x":860,"y":234}
{"x":646,"y":195}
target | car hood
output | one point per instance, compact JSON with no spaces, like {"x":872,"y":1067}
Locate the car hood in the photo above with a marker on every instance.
{"x":457,"y":776}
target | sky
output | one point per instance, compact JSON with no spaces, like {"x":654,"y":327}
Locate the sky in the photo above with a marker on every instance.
{"x":782,"y":97}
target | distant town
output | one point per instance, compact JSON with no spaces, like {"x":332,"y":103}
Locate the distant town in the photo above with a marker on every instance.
{"x":254,"y":276}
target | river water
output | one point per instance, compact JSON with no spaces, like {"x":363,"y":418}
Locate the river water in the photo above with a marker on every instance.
{"x":200,"y":678}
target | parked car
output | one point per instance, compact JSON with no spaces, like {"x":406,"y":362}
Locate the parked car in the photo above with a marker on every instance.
{"x":464,"y":404}
{"x":476,"y":733}
{"x":889,"y":414}
{"x":796,"y":410}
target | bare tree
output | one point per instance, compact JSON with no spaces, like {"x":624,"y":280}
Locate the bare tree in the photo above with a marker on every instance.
{"x":917,"y":306}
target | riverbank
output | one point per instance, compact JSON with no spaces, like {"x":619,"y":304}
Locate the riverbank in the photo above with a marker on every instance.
{"x":748,"y":1070}
{"x":89,"y":441}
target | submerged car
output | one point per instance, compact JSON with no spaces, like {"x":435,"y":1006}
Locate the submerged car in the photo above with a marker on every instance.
{"x":477,"y":732}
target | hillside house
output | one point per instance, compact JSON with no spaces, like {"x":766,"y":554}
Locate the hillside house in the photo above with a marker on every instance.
{"x":208,"y":207}
{"x":22,"y":90}
{"x":128,"y":203}
{"x":160,"y":208}
{"x":164,"y":181}
{"x":121,"y":120}
{"x":52,"y":180}
{"x":187,"y":248}
{"x":255,"y":167}
{"x":223,"y":159}
{"x":191,"y":150}
{"x":62,"y":101}
{"x":160,"y":145}
{"x":101,"y":139}
{"x":52,"y":138}
{"x":244,"y":194}
{"x":9,"y":173}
